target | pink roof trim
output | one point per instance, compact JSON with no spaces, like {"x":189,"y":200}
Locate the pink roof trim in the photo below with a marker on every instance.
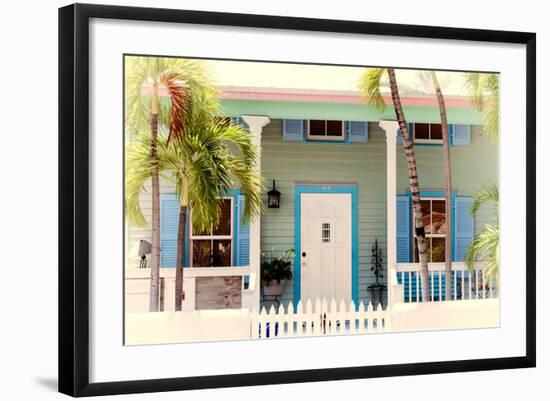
{"x":338,"y":98}
{"x":325,"y":98}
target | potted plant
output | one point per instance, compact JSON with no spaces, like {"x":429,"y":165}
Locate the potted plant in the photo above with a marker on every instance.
{"x":274,"y":272}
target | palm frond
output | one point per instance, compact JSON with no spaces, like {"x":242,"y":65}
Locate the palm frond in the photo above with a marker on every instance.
{"x":137,"y":107}
{"x":485,"y":248}
{"x":205,"y":157}
{"x":489,"y":192}
{"x":369,"y":84}
{"x":182,"y":79}
{"x":486,"y":245}
{"x":180,"y":102}
{"x":484,"y":91}
{"x":138,"y":170}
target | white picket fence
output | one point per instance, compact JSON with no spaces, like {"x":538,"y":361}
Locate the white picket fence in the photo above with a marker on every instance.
{"x":319,"y":318}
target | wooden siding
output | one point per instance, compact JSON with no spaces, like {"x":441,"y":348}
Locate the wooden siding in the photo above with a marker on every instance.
{"x":471,"y":166}
{"x":362,"y":163}
{"x":289,"y":163}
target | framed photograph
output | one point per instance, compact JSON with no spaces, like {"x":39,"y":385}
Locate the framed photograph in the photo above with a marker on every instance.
{"x":251,"y":199}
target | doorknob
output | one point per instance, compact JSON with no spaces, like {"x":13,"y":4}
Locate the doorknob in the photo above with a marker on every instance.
{"x":303,"y":254}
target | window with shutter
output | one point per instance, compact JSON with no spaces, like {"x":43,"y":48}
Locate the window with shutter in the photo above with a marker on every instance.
{"x":399,"y":139}
{"x":435,"y":227}
{"x":464,"y":227}
{"x":358,"y":131}
{"x":169,"y":217}
{"x":326,"y":130}
{"x":460,"y":135}
{"x":403,"y":229}
{"x":242,"y":249}
{"x":213,"y":247}
{"x":427,"y":133}
{"x":239,"y":121}
{"x":293,"y":130}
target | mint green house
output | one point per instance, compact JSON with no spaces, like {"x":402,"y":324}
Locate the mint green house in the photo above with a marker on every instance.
{"x":342,"y":176}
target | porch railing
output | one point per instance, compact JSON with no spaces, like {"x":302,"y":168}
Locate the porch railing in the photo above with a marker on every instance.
{"x":465,"y":284}
{"x":320,"y":318}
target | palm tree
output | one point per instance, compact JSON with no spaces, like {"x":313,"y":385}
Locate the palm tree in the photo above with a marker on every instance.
{"x":484,"y":90}
{"x":486,"y":245}
{"x":146,"y":78}
{"x":206,"y":167}
{"x":370,"y":86}
{"x":485,"y":96}
{"x":205,"y":161}
{"x":448,"y":185}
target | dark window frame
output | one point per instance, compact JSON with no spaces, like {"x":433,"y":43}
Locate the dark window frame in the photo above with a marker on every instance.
{"x":326,"y":136}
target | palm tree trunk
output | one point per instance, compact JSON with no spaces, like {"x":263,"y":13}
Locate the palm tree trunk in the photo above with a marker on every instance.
{"x":155,"y":193}
{"x":413,"y":184}
{"x":448,"y":187}
{"x":179,"y":257}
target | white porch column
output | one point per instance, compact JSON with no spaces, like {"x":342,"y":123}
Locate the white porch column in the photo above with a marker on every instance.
{"x":391,"y":128}
{"x":255,"y":125}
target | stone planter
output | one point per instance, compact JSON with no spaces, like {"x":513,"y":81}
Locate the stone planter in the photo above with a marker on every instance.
{"x":274,"y":289}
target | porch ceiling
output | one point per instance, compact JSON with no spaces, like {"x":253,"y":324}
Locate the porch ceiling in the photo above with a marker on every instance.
{"x":340,"y":111}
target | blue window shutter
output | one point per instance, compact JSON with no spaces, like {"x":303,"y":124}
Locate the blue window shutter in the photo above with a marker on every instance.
{"x":460,"y":135}
{"x":464,"y":226}
{"x":242,"y":256}
{"x":403,"y":229}
{"x":399,"y":139}
{"x":169,"y":217}
{"x":239,"y":121}
{"x":451,"y":129}
{"x":358,"y":131}
{"x":293,"y":130}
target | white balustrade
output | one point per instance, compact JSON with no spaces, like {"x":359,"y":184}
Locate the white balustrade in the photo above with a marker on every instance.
{"x":466,"y":284}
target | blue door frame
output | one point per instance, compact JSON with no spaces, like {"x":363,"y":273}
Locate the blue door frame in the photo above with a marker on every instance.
{"x":325,"y":189}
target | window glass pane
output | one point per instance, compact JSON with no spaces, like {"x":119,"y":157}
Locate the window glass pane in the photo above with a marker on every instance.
{"x":438,"y":217}
{"x":438,"y":249}
{"x":426,"y":216}
{"x":334,"y":128}
{"x":201,"y":253}
{"x":421,"y":131}
{"x":198,"y":232}
{"x":224,"y":227}
{"x":317,"y":127}
{"x":221,"y":256}
{"x":436,"y":131}
{"x":195,"y":231}
{"x":325,"y":232}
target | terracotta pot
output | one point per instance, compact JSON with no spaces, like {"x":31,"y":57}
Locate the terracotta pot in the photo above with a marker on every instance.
{"x":274,"y":289}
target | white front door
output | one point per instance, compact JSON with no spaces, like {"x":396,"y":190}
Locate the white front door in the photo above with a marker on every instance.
{"x":325,"y":259}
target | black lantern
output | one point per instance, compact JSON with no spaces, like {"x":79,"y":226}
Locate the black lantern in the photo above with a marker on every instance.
{"x":273,"y":197}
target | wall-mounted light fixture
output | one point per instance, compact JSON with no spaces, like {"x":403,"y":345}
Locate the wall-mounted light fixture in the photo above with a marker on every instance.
{"x":144,"y":249}
{"x":273,"y":198}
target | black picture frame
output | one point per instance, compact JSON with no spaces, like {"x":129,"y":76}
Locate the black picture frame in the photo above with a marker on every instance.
{"x":74,"y":198}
